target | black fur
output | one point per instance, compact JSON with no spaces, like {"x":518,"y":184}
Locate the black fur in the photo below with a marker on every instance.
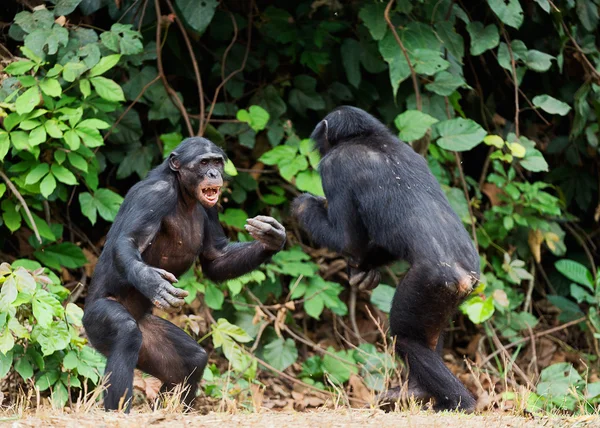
{"x":160,"y":230}
{"x":383,"y":204}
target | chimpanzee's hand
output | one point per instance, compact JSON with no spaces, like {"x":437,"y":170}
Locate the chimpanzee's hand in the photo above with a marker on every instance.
{"x":267,"y":231}
{"x":165,"y":296}
{"x":305,"y":203}
{"x":364,"y":280}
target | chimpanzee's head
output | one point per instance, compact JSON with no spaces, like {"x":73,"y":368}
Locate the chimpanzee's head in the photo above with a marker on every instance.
{"x":199,"y":163}
{"x":345,"y":123}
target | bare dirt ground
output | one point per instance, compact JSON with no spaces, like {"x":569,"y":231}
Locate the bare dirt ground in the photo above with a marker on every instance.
{"x":325,"y":418}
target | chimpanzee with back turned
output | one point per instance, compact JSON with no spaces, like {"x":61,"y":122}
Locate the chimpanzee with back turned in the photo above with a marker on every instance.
{"x":165,"y":223}
{"x":383,"y":204}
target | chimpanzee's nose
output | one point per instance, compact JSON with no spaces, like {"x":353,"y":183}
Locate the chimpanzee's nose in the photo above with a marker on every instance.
{"x":212,"y":173}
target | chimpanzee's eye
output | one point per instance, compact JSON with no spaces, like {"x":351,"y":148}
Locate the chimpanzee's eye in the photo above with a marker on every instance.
{"x":204,"y":162}
{"x":219,"y":162}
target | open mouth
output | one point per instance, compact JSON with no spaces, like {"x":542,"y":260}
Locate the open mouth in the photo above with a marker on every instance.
{"x":210,"y":195}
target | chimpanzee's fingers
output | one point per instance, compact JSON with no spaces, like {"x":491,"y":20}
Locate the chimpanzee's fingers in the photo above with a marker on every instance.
{"x":173,"y":301}
{"x":371,"y":281}
{"x":357,"y":278}
{"x":270,"y":220}
{"x":161,"y":303}
{"x":174,"y":291}
{"x":258,"y":224}
{"x":254,"y":232}
{"x":167,"y":275}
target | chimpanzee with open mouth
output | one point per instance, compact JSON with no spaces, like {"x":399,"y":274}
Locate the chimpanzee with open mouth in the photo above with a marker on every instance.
{"x":165,"y":223}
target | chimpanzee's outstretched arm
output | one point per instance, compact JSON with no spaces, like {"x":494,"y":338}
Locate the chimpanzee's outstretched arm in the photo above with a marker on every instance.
{"x":222,"y":260}
{"x":136,"y":224}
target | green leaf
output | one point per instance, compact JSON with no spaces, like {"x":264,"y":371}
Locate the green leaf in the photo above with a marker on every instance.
{"x":281,"y":354}
{"x":398,"y":67}
{"x":85,"y":88}
{"x":63,"y":175}
{"x":52,"y":128}
{"x":105,"y":202}
{"x":45,"y":307}
{"x":74,"y":314}
{"x":24,"y":368}
{"x":382,"y":297}
{"x":413,"y":124}
{"x":64,"y":254}
{"x":107,"y":89}
{"x":8,"y":293}
{"x":338,"y":371}
{"x":38,"y":136}
{"x":575,"y":272}
{"x":19,"y":67}
{"x":230,"y":169}
{"x":105,"y":64}
{"x":256,"y":116}
{"x":494,"y":140}
{"x":509,"y":12}
{"x":225,"y":328}
{"x":351,"y":51}
{"x":445,"y":84}
{"x":213,"y":297}
{"x":538,"y":61}
{"x":90,"y":136}
{"x":37,"y":173}
{"x":289,"y":168}
{"x":314,"y":305}
{"x":551,"y":105}
{"x":93,"y":123}
{"x":72,"y":139}
{"x":51,"y":87}
{"x":6,"y":360}
{"x":197,"y":15}
{"x":459,"y":134}
{"x":310,"y":181}
{"x":77,"y":161}
{"x":72,"y":70}
{"x":65,"y":7}
{"x":278,"y":154}
{"x":477,"y":309}
{"x":587,"y":12}
{"x":70,"y":361}
{"x":28,"y":100}
{"x":428,"y":61}
{"x":4,"y":144}
{"x":7,"y":341}
{"x":482,"y":38}
{"x":10,"y":215}
{"x":47,"y":379}
{"x":372,"y":16}
{"x":451,"y":39}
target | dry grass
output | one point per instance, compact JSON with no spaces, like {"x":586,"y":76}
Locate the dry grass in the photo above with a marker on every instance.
{"x":319,"y":418}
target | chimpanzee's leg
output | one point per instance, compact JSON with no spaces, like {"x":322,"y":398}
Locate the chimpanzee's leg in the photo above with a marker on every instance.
{"x":113,"y":331}
{"x":171,"y":355}
{"x":423,"y":303}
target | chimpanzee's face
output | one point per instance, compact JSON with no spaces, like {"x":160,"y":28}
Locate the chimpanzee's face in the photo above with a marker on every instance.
{"x":202,"y":176}
{"x":208,"y":170}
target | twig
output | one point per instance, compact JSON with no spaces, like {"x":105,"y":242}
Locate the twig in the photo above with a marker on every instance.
{"x":172,"y":94}
{"x":234,"y":72}
{"x":413,"y":74}
{"x":515,"y":367}
{"x":352,"y":312}
{"x":466,"y":191}
{"x":533,"y":362}
{"x":584,"y":246}
{"x":194,"y":64}
{"x":515,"y":81}
{"x":130,"y":106}
{"x":13,"y":189}
{"x":537,"y":336}
{"x":527,"y":303}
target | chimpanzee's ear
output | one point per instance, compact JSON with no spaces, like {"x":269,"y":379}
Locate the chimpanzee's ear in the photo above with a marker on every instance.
{"x":320,"y":136}
{"x":173,"y":161}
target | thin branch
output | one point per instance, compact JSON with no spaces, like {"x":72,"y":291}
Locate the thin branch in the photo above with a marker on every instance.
{"x":233,"y":73}
{"x":587,"y":251}
{"x":515,"y":81}
{"x":139,"y":96}
{"x":515,"y":367}
{"x":13,"y":189}
{"x":466,"y":191}
{"x":537,"y":336}
{"x":194,"y":64}
{"x":172,"y":94}
{"x":413,"y":74}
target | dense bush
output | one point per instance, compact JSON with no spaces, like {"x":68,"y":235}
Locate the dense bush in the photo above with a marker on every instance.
{"x":501,"y":97}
